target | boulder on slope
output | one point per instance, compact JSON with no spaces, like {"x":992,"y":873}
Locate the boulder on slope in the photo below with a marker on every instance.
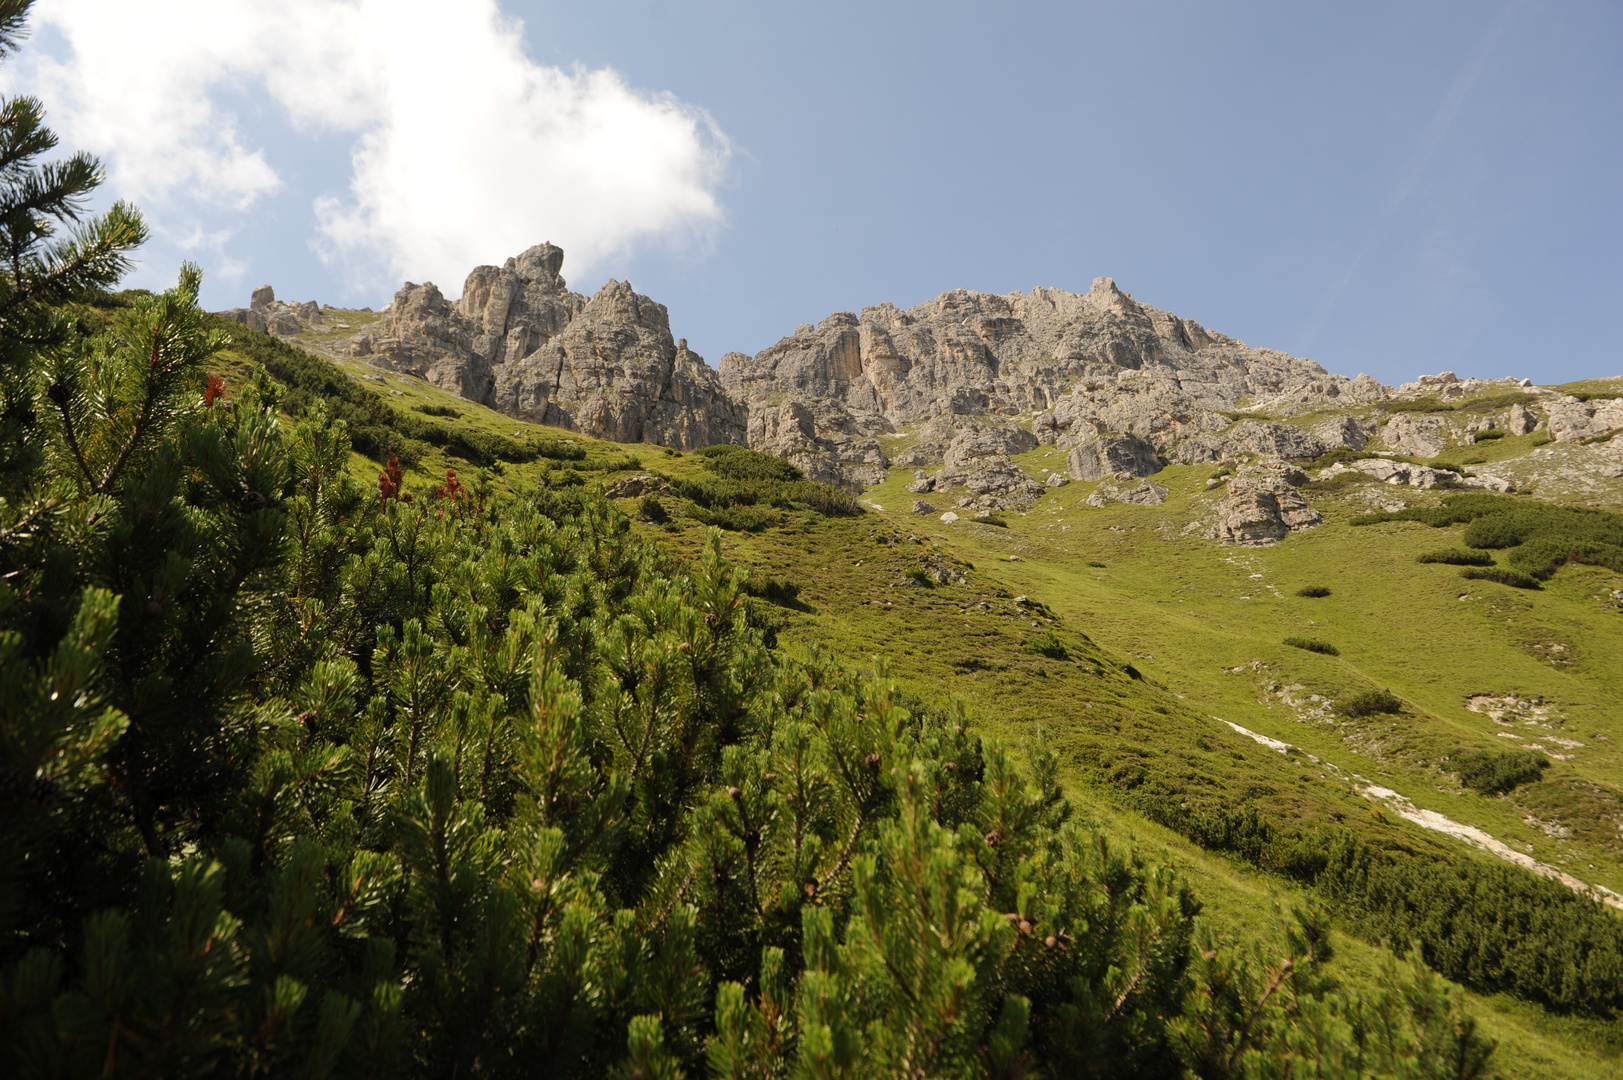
{"x":1111,"y":455}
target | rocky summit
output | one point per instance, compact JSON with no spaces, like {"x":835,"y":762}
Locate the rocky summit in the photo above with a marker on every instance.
{"x":519,"y":341}
{"x":954,"y":388}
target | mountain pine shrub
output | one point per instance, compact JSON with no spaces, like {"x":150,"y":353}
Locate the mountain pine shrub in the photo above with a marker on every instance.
{"x":1537,"y":538}
{"x":1314,"y":645}
{"x":1370,"y":703}
{"x":1495,"y":772}
{"x":1455,"y":557}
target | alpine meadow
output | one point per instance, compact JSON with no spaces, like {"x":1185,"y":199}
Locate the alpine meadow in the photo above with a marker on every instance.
{"x":1015,"y":685}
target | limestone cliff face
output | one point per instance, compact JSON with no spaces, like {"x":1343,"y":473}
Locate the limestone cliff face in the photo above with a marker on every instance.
{"x":1049,"y":366}
{"x":1069,"y":366}
{"x":519,"y":341}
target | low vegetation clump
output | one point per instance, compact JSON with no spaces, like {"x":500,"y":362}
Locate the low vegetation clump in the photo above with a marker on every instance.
{"x":738,"y":483}
{"x":1313,"y":591}
{"x":991,"y":519}
{"x":1342,"y":454}
{"x":1537,"y":538}
{"x":1313,"y":645}
{"x":1488,"y":403}
{"x":1049,"y":645}
{"x":1416,"y":405}
{"x":1495,"y":772}
{"x":1455,"y":557}
{"x":1371,"y":703}
{"x":1503,"y":575}
{"x":1491,"y":926}
{"x":651,"y":510}
{"x":918,"y":575}
{"x":1490,"y":435}
{"x":774,"y":590}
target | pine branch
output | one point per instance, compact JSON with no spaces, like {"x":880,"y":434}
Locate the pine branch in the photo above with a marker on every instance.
{"x":23,"y":134}
{"x":13,"y":17}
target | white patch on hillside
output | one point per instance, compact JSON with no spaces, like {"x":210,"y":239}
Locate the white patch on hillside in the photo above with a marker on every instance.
{"x":461,"y":147}
{"x":1431,"y":819}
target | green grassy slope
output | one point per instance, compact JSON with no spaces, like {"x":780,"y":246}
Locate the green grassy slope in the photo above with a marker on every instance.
{"x":1126,"y":667}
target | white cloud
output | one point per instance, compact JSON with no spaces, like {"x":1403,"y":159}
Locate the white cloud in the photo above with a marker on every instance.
{"x":464,"y":150}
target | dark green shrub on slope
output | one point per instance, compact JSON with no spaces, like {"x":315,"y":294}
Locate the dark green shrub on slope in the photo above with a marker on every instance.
{"x":1371,"y":703}
{"x":738,"y":482}
{"x":1537,"y":538}
{"x":1494,"y":772}
{"x":1455,"y":557}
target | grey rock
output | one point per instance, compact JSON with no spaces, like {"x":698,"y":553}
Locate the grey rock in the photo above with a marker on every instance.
{"x":990,"y":483}
{"x":360,"y":345}
{"x":262,"y":297}
{"x":633,"y":487}
{"x":309,"y":312}
{"x":1250,"y":438}
{"x":1110,"y":455}
{"x":922,"y":507}
{"x":1058,"y":479}
{"x":1403,"y":473}
{"x":1522,"y":420}
{"x":1417,"y":434}
{"x":1077,"y":365}
{"x":282,"y":324}
{"x":1263,"y":508}
{"x":1143,"y":494}
{"x":1571,"y":419}
{"x":519,"y":341}
{"x":1344,"y":432}
{"x":919,"y":487}
{"x":255,"y":319}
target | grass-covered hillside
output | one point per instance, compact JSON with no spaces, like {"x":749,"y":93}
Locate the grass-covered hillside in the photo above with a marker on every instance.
{"x":1428,"y":767}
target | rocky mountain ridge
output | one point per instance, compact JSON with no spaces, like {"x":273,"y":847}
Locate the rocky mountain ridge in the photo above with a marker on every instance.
{"x":961,"y":383}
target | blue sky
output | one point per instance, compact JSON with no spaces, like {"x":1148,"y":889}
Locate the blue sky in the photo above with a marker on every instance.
{"x":1393,"y":188}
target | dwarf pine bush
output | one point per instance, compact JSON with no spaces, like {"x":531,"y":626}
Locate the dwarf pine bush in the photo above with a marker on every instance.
{"x":1313,"y":645}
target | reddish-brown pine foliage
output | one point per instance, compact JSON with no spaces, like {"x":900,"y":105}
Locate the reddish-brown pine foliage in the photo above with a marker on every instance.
{"x":214,"y":391}
{"x":390,"y":479}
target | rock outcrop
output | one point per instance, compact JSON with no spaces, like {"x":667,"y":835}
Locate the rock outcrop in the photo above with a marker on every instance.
{"x":1417,"y":434}
{"x":1264,"y":507}
{"x":1522,"y":421}
{"x":269,"y":315}
{"x":1571,"y":419}
{"x":1247,"y":439}
{"x":1112,"y":455}
{"x":1074,"y":367}
{"x":1420,"y":476}
{"x":519,"y":341}
{"x":1143,"y":493}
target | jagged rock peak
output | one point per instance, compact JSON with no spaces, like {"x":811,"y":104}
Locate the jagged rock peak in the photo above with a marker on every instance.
{"x":1067,"y":366}
{"x":521,"y":342}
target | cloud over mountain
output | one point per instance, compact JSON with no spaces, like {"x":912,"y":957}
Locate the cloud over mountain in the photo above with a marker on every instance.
{"x":459,"y":143}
